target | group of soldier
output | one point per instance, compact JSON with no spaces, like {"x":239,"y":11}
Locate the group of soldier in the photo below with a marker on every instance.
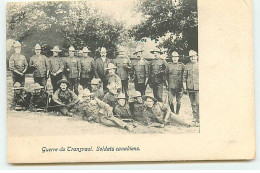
{"x":98,"y":90}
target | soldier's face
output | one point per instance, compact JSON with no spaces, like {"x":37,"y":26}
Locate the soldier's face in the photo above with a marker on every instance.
{"x":37,"y":51}
{"x":85,"y":54}
{"x":111,"y":71}
{"x":16,"y":91}
{"x":55,"y":53}
{"x":63,"y":86}
{"x":71,"y":53}
{"x":94,"y":87}
{"x":175,"y":59}
{"x":194,"y":58}
{"x":156,"y":54}
{"x":149,"y":102}
{"x":17,"y":49}
{"x":121,"y":54}
{"x":103,"y":54}
{"x":121,"y":102}
{"x":139,"y":99}
{"x":139,"y":55}
{"x":87,"y":98}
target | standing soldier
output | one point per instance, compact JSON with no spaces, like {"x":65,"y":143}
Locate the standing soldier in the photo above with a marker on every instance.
{"x":123,"y":64}
{"x":174,"y":73}
{"x":101,"y":65}
{"x":140,"y":71}
{"x":157,"y":75}
{"x":55,"y":66}
{"x":18,"y":64}
{"x":72,"y":66}
{"x":87,"y":73}
{"x":39,"y":64}
{"x":191,"y":84}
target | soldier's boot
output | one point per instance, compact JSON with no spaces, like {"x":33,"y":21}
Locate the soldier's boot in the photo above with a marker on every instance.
{"x":178,"y":107}
{"x":172,"y":107}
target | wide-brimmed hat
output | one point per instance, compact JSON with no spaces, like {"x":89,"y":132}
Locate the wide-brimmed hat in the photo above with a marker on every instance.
{"x":192,"y":53}
{"x":156,"y":50}
{"x":138,"y":49}
{"x":85,"y":50}
{"x":37,"y":86}
{"x":72,"y":49}
{"x":17,"y":86}
{"x":121,"y":49}
{"x":103,"y":49}
{"x":110,"y":66}
{"x":149,"y":95}
{"x":95,"y":81}
{"x":17,"y":44}
{"x":86,"y":93}
{"x":121,"y":96}
{"x":56,"y":49}
{"x":37,"y":47}
{"x":137,"y":94}
{"x":62,"y":81}
{"x":175,"y":54}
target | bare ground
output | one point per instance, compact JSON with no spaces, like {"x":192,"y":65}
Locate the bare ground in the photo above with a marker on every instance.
{"x":25,"y":123}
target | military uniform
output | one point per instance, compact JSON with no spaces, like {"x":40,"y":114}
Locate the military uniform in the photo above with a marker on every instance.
{"x":87,"y":71}
{"x":101,"y":113}
{"x":18,"y":63}
{"x":101,"y":71}
{"x":174,"y":75}
{"x":54,"y":65}
{"x":98,"y":94}
{"x":39,"y":101}
{"x":123,"y":68}
{"x":39,"y":63}
{"x":73,"y":68}
{"x":21,"y":97}
{"x":110,"y":99}
{"x":140,"y":72}
{"x":67,"y":100}
{"x":191,"y":78}
{"x":113,"y":78}
{"x":137,"y":111}
{"x":157,"y":77}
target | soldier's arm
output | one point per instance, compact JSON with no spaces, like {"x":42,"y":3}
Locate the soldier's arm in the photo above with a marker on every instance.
{"x":79,"y":67}
{"x":61,"y":69}
{"x":46,"y":66}
{"x":184,"y":78}
{"x":147,"y":70}
{"x":56,"y":99}
{"x":75,"y":98}
{"x":25,"y":65}
{"x":104,"y":105}
{"x":95,"y":64}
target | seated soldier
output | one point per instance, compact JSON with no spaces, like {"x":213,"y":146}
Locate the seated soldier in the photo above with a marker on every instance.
{"x":65,"y":98}
{"x":137,"y":107}
{"x":121,"y":108}
{"x":40,"y":99}
{"x":97,"y":111}
{"x":95,"y":89}
{"x":111,"y":95}
{"x":21,"y":98}
{"x":157,"y":114}
{"x":112,"y":77}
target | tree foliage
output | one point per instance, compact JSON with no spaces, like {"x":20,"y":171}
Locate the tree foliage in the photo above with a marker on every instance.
{"x":163,"y":17}
{"x":61,"y":23}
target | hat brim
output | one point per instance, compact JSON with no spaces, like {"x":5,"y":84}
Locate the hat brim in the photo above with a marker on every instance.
{"x":18,"y":88}
{"x":110,"y":68}
{"x":138,"y":52}
{"x":56,"y":50}
{"x":155,"y":51}
{"x":88,"y":95}
{"x":60,"y":82}
{"x":86,"y":51}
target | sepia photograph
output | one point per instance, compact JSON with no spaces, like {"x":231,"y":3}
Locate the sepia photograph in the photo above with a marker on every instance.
{"x":102,"y":67}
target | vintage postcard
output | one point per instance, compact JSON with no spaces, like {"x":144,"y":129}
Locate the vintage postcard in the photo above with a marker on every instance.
{"x":129,"y":80}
